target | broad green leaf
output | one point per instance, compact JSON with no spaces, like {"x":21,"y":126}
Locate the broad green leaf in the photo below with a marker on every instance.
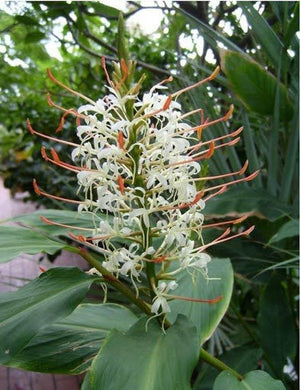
{"x":278,"y":337}
{"x":289,"y":229}
{"x":146,"y":358}
{"x":67,"y":217}
{"x":27,"y":20}
{"x":105,"y":10}
{"x":34,"y":37}
{"x":68,"y":346}
{"x":254,"y":85}
{"x":254,"y":380}
{"x":205,"y":316}
{"x":17,"y":240}
{"x":242,"y":359}
{"x":50,"y":297}
{"x":255,"y":202}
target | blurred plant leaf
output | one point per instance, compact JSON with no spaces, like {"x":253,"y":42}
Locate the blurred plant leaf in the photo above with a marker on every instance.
{"x":154,"y":360}
{"x":50,"y":297}
{"x":17,"y":240}
{"x":263,"y":32}
{"x":254,"y":380}
{"x":289,"y":229}
{"x":69,"y":345}
{"x":105,"y":10}
{"x":240,"y":200}
{"x":242,"y":359}
{"x":67,"y":217}
{"x":204,"y":316}
{"x":278,"y":335}
{"x":254,"y":85}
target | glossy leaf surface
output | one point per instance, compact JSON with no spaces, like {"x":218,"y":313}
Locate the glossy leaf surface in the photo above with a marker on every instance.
{"x":69,"y":345}
{"x":50,"y":297}
{"x":254,"y":380}
{"x":278,"y":335}
{"x":205,"y":316}
{"x":146,"y":359}
{"x":255,"y":86}
{"x":16,"y":240}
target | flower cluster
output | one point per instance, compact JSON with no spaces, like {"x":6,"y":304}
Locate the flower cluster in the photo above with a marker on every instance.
{"x":138,"y":164}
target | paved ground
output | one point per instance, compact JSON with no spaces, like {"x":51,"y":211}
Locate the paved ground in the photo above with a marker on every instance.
{"x":14,"y":274}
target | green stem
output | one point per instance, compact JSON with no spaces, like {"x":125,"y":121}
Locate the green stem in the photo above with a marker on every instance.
{"x":208,"y":358}
{"x":112,"y":280}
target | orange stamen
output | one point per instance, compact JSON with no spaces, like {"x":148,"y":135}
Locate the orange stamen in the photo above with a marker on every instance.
{"x":38,"y":191}
{"x":209,"y":78}
{"x":80,"y":237}
{"x":160,"y":259}
{"x":233,"y":222}
{"x":230,"y":135}
{"x":121,"y":184}
{"x":247,"y":178}
{"x":52,"y":78}
{"x":62,"y":119}
{"x":125,"y":72}
{"x":36,"y":188}
{"x":167,"y":103}
{"x":58,"y":162}
{"x":219,"y":192}
{"x":240,"y":172}
{"x":32,"y":131}
{"x":106,"y":72}
{"x":121,"y":140}
{"x":222,"y":238}
{"x":49,"y":222}
{"x":210,"y":301}
{"x":164,"y":107}
{"x":196,"y":200}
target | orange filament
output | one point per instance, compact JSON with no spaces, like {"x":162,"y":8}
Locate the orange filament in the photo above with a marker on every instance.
{"x":210,"y":301}
{"x":56,"y":161}
{"x":106,"y":73}
{"x":164,"y":107}
{"x":126,"y":74}
{"x":209,"y":78}
{"x":49,"y":222}
{"x":160,"y":259}
{"x":247,"y":178}
{"x":52,"y":78}
{"x":39,"y":192}
{"x":32,"y":131}
{"x":233,"y":222}
{"x":121,"y":184}
{"x":121,"y":140}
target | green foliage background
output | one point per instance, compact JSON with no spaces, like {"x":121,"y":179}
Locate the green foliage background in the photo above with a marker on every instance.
{"x":259,"y":75}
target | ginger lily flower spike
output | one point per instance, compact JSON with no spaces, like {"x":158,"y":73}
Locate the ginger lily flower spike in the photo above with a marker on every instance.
{"x":139,"y":162}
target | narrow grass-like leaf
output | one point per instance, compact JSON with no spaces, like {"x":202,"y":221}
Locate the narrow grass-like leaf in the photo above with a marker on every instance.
{"x":289,"y":229}
{"x":263,"y":31}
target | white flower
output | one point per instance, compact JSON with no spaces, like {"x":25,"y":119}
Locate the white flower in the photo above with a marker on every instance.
{"x":145,"y":181}
{"x":160,"y":300}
